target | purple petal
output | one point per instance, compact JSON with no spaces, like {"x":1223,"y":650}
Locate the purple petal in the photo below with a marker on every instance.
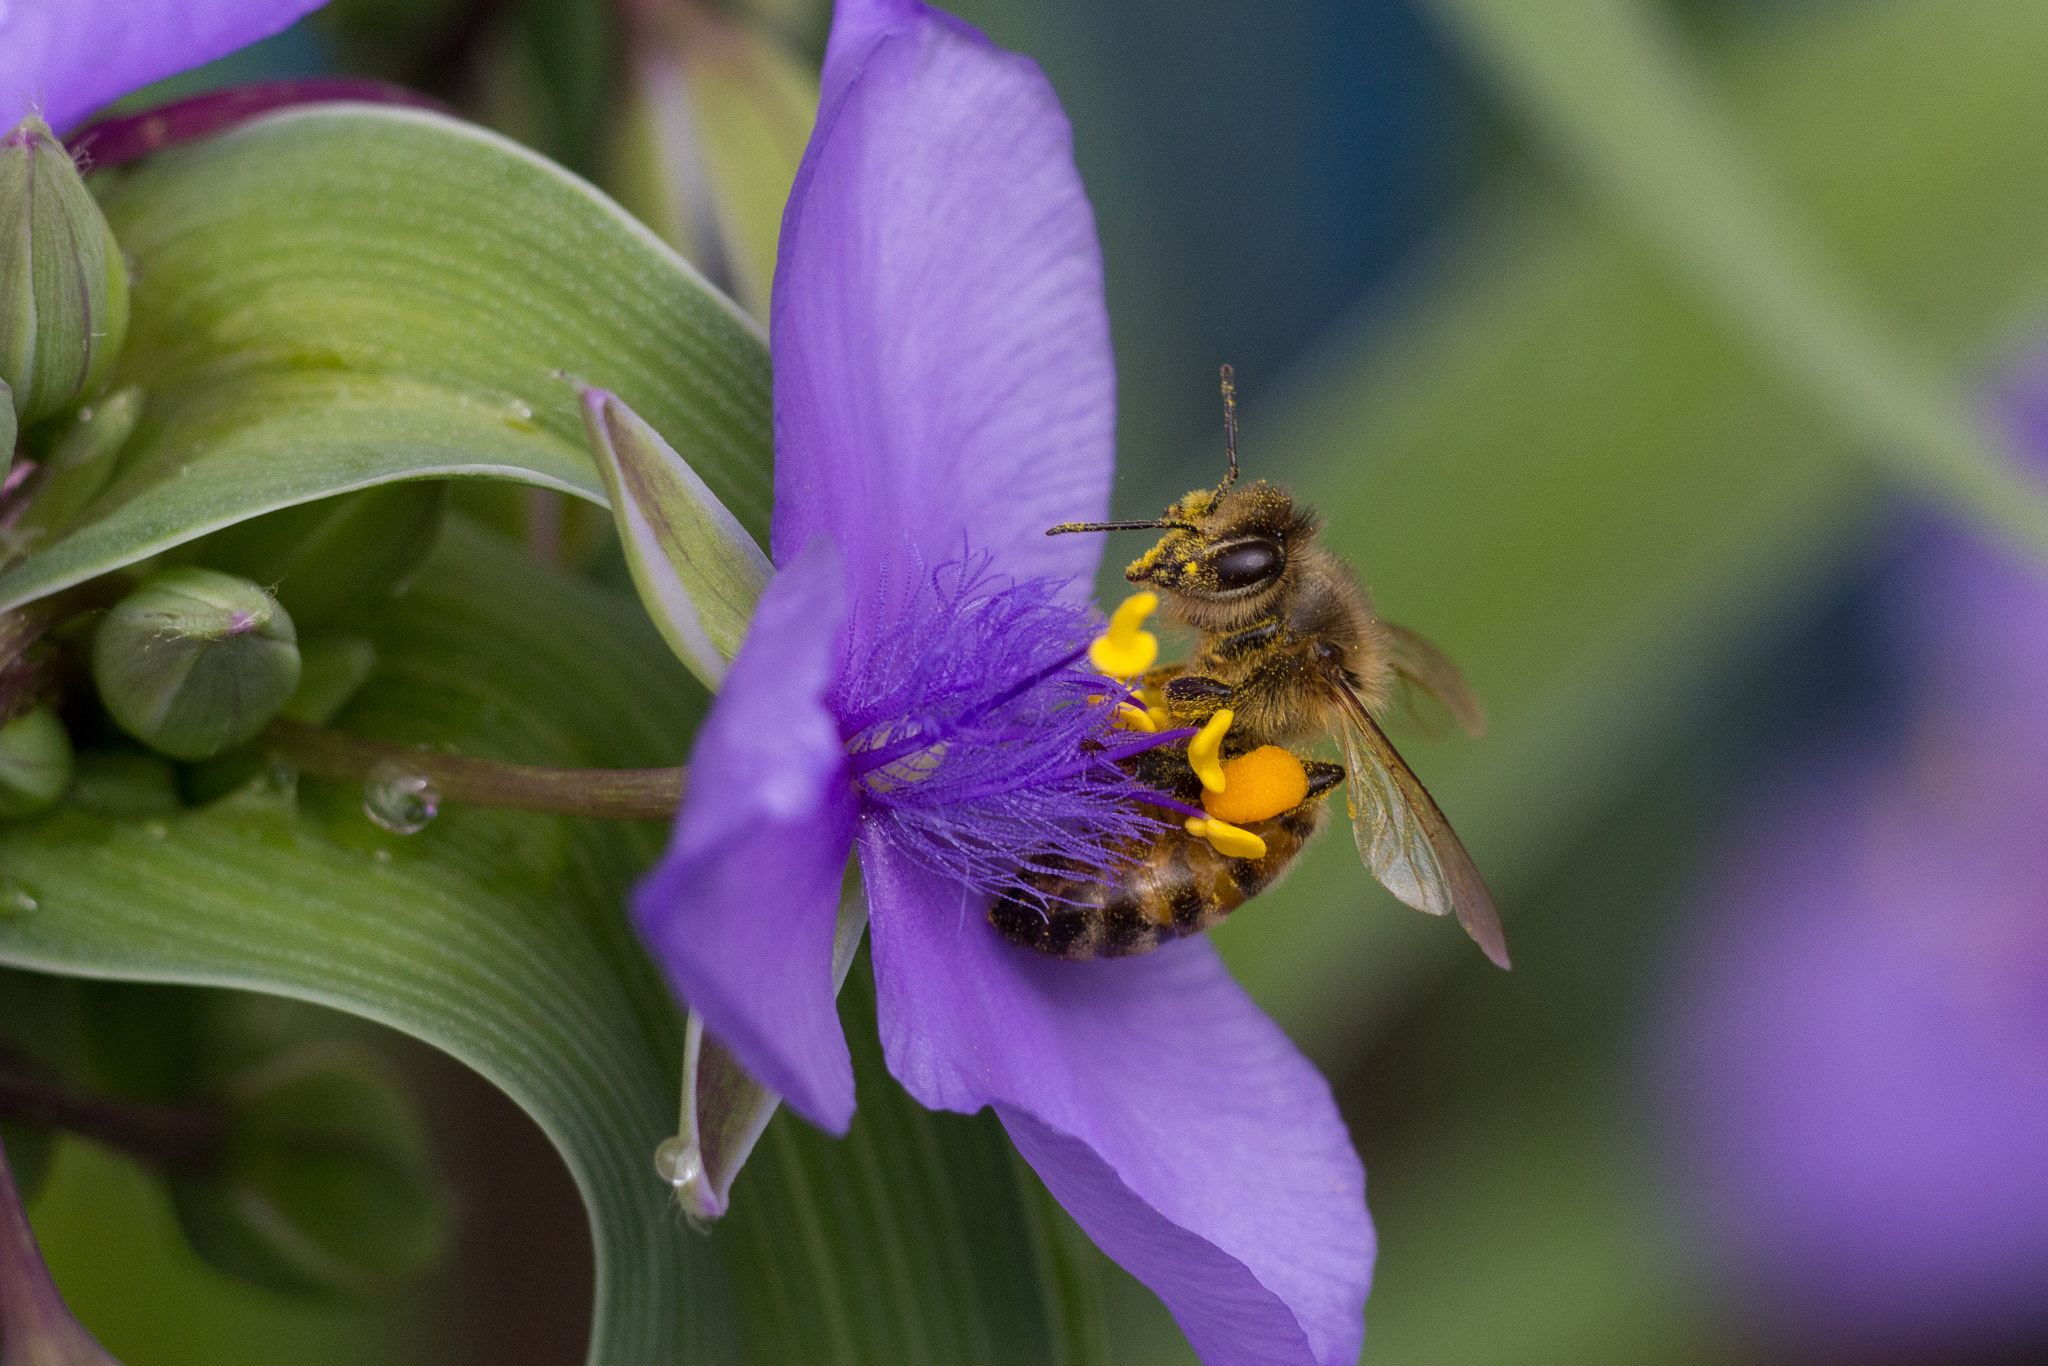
{"x":72,"y":56}
{"x":943,"y":376}
{"x":1975,"y":619}
{"x":741,"y":911}
{"x":1173,"y":1119}
{"x":1857,"y":1062}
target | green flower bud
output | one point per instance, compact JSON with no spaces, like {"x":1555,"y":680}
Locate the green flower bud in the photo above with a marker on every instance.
{"x":35,"y":764}
{"x":195,"y":662}
{"x":323,"y":556}
{"x":73,"y":473}
{"x":63,"y":284}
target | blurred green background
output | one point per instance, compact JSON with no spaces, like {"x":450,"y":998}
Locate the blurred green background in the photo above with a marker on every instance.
{"x":1579,"y":398}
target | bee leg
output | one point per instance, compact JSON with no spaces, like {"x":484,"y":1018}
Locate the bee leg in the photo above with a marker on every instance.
{"x":1321,"y":778}
{"x":1166,"y":769}
{"x":1258,"y":636}
{"x":1285,"y":836}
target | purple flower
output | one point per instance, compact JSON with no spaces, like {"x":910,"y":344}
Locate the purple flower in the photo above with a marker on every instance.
{"x":909,"y":688}
{"x":1858,"y":1060}
{"x":69,"y":57}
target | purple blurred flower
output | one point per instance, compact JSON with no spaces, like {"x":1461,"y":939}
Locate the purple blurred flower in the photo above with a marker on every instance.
{"x":1860,"y":1064}
{"x":944,"y":392}
{"x":69,"y":57}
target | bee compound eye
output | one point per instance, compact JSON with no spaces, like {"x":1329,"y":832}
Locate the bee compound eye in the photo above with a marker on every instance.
{"x":1247,"y":564}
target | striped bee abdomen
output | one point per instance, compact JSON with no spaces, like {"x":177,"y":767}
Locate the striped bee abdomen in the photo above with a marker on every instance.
{"x":1178,"y":885}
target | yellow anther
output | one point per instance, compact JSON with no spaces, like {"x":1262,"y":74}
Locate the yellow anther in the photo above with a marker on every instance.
{"x":1134,"y":718}
{"x":1258,"y":786}
{"x":1206,"y":749}
{"x":1226,"y":839}
{"x":1155,"y":707}
{"x":1126,"y":649}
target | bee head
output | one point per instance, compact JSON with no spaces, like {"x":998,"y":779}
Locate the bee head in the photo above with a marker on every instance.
{"x":1225,"y":555}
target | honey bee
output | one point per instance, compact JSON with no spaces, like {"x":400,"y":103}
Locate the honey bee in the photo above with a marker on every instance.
{"x":1289,"y":643}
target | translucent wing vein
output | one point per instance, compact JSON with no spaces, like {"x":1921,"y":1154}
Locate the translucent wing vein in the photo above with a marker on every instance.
{"x":1402,"y":834}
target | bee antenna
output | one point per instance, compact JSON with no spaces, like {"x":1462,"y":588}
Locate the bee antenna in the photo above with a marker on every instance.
{"x":1229,"y":428}
{"x":1162,"y":525}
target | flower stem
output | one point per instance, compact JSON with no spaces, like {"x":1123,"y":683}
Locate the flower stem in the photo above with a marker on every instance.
{"x":612,"y":793}
{"x":115,"y":141}
{"x":185,"y":1138}
{"x":22,"y":627}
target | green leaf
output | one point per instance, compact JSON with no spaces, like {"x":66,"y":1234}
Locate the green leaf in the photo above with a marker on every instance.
{"x":918,"y":1237}
{"x":338,"y":296}
{"x":1610,"y":84}
{"x":332,"y":669}
{"x":1566,"y":469}
{"x":9,"y":429}
{"x":156,"y":1302}
{"x":328,"y":1185}
{"x":492,"y":935}
{"x":320,"y":558}
{"x":40,"y":1030}
{"x":498,"y":937}
{"x":295,"y":1159}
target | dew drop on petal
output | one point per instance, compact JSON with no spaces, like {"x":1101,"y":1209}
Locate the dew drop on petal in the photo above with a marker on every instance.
{"x":678,"y":1161}
{"x":399,"y":798}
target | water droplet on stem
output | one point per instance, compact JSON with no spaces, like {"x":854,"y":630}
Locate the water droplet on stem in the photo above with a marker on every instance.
{"x":399,"y":798}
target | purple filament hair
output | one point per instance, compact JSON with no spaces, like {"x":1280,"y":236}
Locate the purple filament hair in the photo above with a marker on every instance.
{"x":983,"y":745}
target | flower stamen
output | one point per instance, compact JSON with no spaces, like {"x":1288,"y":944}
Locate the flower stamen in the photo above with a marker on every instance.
{"x":1205,"y":751}
{"x":1225,"y":838}
{"x":1126,"y":649}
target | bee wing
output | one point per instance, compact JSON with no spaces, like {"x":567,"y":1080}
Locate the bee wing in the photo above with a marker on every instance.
{"x":1417,"y":657}
{"x":1402,"y":834}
